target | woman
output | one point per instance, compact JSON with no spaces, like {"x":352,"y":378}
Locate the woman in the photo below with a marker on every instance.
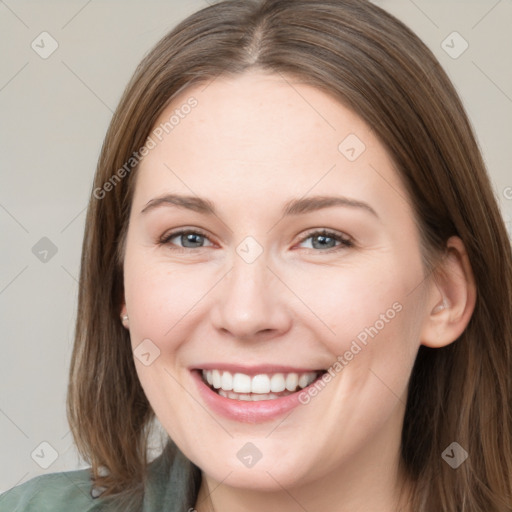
{"x":294,"y":260}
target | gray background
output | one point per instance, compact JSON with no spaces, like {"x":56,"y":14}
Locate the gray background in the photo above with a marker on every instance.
{"x":55,"y":112}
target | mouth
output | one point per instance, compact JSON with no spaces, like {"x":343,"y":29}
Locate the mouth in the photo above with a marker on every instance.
{"x":253,"y":395}
{"x":262,"y":386}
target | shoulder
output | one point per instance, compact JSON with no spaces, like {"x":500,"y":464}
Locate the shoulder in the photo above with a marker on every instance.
{"x":172,"y":484}
{"x":54,"y":492}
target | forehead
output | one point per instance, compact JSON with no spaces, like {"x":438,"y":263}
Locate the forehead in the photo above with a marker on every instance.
{"x":262,"y":115}
{"x":259,"y":131}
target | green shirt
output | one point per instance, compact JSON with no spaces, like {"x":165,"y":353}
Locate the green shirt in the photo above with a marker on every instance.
{"x":172,"y":486}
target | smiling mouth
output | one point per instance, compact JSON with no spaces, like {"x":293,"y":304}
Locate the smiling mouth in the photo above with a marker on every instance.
{"x":263,"y":386}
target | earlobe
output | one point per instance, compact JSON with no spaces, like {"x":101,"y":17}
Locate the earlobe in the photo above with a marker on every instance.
{"x":452,"y":297}
{"x":124,"y":317}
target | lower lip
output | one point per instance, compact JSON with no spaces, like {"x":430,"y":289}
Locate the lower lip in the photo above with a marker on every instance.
{"x":247,"y":411}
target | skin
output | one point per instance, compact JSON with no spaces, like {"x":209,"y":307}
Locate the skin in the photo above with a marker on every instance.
{"x":251,"y":144}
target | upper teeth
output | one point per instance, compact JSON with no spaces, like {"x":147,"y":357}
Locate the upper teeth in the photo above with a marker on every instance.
{"x":262,"y":383}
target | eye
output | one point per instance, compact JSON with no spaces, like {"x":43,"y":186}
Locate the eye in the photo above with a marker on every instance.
{"x":326,"y":240}
{"x":190,"y":239}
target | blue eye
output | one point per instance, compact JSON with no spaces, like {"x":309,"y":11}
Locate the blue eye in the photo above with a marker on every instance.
{"x":327,"y":241}
{"x":189,"y":238}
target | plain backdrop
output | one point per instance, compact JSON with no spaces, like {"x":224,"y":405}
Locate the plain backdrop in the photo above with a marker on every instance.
{"x":55,"y":111}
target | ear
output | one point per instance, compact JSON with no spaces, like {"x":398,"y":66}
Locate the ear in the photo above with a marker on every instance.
{"x":124,"y":316}
{"x":451,"y":297}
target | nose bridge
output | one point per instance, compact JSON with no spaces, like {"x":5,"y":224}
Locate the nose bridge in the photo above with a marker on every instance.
{"x":249,"y":300}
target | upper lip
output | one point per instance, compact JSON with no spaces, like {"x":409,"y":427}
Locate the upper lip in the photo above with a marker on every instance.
{"x":255,"y":369}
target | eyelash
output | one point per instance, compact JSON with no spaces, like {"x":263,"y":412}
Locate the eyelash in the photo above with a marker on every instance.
{"x":345,"y":242}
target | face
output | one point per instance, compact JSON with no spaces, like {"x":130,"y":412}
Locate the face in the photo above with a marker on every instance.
{"x":274,"y":338}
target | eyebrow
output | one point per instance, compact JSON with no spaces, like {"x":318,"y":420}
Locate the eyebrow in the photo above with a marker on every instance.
{"x":292,"y":207}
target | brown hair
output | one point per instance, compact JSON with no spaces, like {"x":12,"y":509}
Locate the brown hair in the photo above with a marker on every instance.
{"x":372,"y":63}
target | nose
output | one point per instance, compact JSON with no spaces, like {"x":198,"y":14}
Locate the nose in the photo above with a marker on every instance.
{"x":250,"y":302}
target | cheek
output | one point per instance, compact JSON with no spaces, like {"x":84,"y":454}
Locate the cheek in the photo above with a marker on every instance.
{"x":372,"y":321}
{"x":163,"y":307}
{"x":377,"y":337}
{"x":158,"y":298}
{"x":356,"y":302}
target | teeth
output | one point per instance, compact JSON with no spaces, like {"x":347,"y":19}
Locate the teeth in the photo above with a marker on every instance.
{"x":241,"y":383}
{"x":261,"y":384}
{"x":277,"y":383}
{"x":253,"y":397}
{"x":226,"y":382}
{"x":304,"y":380}
{"x":292,"y":381}
{"x":216,"y":379}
